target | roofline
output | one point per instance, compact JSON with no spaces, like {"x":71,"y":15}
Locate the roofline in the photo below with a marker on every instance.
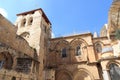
{"x":65,"y":37}
{"x":43,"y":14}
{"x":104,"y":37}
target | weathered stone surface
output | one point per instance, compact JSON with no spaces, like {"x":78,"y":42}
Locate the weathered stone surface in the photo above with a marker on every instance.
{"x":27,"y":51}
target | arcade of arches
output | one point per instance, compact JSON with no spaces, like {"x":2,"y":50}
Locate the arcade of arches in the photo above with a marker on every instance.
{"x":78,"y":75}
{"x":28,"y":52}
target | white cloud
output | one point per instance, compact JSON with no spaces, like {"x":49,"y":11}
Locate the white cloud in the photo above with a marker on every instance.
{"x":3,"y":12}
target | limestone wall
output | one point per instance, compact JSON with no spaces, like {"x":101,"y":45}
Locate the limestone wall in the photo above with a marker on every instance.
{"x":9,"y":37}
{"x":9,"y":74}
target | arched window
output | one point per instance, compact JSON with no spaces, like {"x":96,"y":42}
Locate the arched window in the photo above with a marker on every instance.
{"x":23,"y":22}
{"x":64,"y":52}
{"x":6,"y":60}
{"x":98,"y":48}
{"x":78,"y":50}
{"x":13,"y":78}
{"x":114,"y":71}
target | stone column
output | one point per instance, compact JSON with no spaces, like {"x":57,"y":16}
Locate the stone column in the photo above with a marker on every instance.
{"x":106,"y":75}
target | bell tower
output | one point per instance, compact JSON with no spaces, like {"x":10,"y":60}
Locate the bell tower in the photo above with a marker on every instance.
{"x":114,"y":17}
{"x":35,"y":28}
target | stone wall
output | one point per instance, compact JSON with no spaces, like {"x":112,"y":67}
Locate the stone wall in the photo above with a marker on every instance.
{"x":9,"y":74}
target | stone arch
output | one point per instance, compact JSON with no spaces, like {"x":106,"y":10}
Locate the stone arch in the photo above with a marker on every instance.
{"x":5,"y":48}
{"x":83,"y":74}
{"x":79,"y":41}
{"x":64,"y":75}
{"x":61,"y":44}
{"x":6,"y":60}
{"x":112,"y":62}
{"x":114,"y":70}
{"x":99,"y":42}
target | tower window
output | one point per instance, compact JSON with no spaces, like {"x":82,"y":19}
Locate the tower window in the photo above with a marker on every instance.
{"x":23,"y":22}
{"x":78,"y":50}
{"x":64,"y":52}
{"x":30,"y":21}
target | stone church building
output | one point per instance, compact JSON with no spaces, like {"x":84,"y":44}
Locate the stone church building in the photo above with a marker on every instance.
{"x":27,"y":51}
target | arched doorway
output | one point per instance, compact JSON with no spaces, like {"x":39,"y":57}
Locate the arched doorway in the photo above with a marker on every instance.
{"x":63,"y":75}
{"x":82,"y":75}
{"x":114,"y":71}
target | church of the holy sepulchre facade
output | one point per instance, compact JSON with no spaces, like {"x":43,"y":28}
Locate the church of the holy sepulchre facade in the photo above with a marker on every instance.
{"x":28,"y":52}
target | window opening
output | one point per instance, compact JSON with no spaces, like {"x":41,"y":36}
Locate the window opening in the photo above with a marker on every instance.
{"x":64,"y":52}
{"x":24,"y":22}
{"x":114,"y":71}
{"x":98,"y":48}
{"x":13,"y":78}
{"x":78,"y":50}
{"x":31,"y":21}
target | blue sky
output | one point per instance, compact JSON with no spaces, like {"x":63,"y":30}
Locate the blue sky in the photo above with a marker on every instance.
{"x":67,"y":16}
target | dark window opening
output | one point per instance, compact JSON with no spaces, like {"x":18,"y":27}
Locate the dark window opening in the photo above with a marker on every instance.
{"x":1,"y":63}
{"x":64,"y":52}
{"x":23,"y":22}
{"x":98,"y":48}
{"x":78,"y":50}
{"x":31,"y":21}
{"x":13,"y":78}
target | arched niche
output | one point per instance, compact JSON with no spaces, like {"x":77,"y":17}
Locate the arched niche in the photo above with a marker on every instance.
{"x":64,"y":75}
{"x":79,"y":49}
{"x":83,"y":74}
{"x":114,"y":71}
{"x":98,"y":46}
{"x":6,"y":60}
{"x":79,"y":45}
